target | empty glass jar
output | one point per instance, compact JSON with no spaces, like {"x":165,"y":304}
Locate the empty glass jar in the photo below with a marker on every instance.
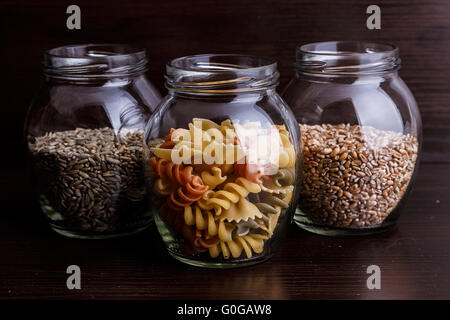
{"x":223,"y":159}
{"x":84,"y":132}
{"x":361,"y":134}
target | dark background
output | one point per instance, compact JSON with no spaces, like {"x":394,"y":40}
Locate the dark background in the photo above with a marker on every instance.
{"x":415,"y":257}
{"x":174,"y":28}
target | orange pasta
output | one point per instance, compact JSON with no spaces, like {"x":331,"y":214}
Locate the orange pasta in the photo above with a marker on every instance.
{"x":251,"y":172}
{"x":188,"y":194}
{"x":199,"y":241}
{"x":166,"y":169}
{"x":168,"y":143}
{"x":191,"y":187}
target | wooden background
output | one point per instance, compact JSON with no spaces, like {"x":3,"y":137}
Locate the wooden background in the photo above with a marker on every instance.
{"x":416,"y":255}
{"x":174,"y":28}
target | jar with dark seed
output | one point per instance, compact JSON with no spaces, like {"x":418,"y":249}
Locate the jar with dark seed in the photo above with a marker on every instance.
{"x":84,"y":131}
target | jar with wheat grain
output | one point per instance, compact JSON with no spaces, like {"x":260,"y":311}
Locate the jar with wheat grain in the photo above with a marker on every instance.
{"x":361,"y":134}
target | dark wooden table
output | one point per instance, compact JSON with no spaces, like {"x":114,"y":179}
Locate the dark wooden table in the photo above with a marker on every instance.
{"x":414,"y":258}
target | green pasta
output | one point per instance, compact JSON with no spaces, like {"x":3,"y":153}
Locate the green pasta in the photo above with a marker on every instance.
{"x":284,"y":177}
{"x":274,"y":200}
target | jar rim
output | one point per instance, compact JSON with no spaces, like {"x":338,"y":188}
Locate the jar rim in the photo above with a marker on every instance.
{"x":93,"y":61}
{"x":368,"y":48}
{"x":221,"y":73}
{"x":209,"y":56}
{"x":351,"y":58}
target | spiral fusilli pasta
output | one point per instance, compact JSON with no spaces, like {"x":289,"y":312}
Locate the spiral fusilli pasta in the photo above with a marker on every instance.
{"x":213,"y":178}
{"x":249,"y":171}
{"x":202,"y":220}
{"x":190,"y":189}
{"x":230,"y":202}
{"x":287,"y":151}
{"x":249,"y":244}
{"x":198,"y":240}
{"x":176,"y":173}
{"x":187,"y":194}
{"x":284,"y":177}
{"x":224,"y":205}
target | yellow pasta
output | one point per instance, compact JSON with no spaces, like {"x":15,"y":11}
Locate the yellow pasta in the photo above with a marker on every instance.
{"x":241,"y":211}
{"x":205,"y":124}
{"x":287,"y":151}
{"x":181,"y":152}
{"x":225,"y":231}
{"x":273,"y":220}
{"x":202,"y":220}
{"x":230,"y":203}
{"x":224,"y":168}
{"x":213,"y":179}
{"x":204,"y":142}
{"x":270,"y":187}
{"x":249,"y":244}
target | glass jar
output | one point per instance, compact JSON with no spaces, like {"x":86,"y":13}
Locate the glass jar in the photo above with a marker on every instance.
{"x":223,"y":159}
{"x":84,"y":132}
{"x":361,"y":131}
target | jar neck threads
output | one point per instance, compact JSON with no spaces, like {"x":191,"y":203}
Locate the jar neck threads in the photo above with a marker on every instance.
{"x":94,"y":62}
{"x":221,"y":74}
{"x":346,"y":58}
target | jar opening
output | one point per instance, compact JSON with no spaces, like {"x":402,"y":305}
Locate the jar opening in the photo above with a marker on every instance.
{"x":93,"y":61}
{"x":221,"y":74}
{"x":342,"y":58}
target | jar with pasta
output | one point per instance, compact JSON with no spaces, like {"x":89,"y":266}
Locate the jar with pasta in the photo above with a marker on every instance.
{"x":222,"y":161}
{"x":361,"y":131}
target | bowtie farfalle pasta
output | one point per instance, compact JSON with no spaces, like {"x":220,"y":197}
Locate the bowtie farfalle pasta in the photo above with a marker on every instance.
{"x":213,"y":196}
